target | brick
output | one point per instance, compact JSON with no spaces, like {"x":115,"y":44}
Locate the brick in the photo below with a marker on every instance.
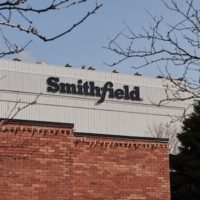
{"x":54,"y":165}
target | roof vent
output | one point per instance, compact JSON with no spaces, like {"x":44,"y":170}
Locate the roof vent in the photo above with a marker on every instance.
{"x":16,"y":59}
{"x":180,"y":79}
{"x":115,"y":71}
{"x":91,"y":68}
{"x":159,"y":77}
{"x":137,"y":74}
{"x":68,"y":65}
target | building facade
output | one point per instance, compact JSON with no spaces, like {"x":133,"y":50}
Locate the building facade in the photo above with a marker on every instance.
{"x":70,"y":133}
{"x":95,"y":102}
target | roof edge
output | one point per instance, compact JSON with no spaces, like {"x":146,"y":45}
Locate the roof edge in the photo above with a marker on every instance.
{"x":107,"y":136}
{"x":38,"y":123}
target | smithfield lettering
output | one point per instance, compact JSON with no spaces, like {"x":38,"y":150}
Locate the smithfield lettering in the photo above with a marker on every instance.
{"x":89,"y":88}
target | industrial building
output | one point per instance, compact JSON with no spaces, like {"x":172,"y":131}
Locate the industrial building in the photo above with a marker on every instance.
{"x":69,"y":133}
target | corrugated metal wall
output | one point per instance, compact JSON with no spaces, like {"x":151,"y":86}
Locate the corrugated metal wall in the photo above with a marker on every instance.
{"x":21,"y":83}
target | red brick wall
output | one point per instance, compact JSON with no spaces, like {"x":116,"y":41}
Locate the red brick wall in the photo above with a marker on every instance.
{"x":51,"y":163}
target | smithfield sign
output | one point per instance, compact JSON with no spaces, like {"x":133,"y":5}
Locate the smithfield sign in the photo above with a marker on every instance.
{"x":89,"y":88}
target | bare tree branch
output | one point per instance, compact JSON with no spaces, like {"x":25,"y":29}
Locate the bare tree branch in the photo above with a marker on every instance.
{"x":18,"y":15}
{"x":16,"y":109}
{"x":170,"y":46}
{"x":164,"y":131}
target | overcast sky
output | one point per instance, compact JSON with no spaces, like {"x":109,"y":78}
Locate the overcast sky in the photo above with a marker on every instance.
{"x":84,"y":45}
